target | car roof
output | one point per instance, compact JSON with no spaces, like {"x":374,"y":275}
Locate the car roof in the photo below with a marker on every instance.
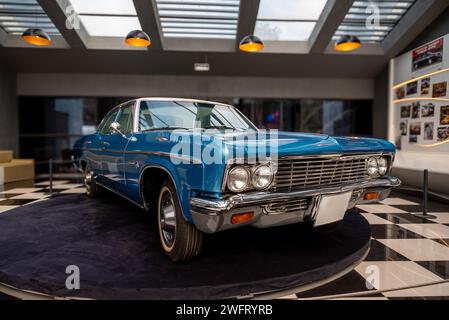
{"x":175,"y":99}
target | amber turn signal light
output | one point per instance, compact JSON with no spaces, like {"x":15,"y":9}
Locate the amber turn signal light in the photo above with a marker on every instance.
{"x":242,"y":217}
{"x":371,"y":196}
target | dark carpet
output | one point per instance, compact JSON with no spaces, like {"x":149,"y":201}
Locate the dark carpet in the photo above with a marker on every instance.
{"x":116,"y":247}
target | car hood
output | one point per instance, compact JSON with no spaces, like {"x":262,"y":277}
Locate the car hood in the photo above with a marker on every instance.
{"x":292,"y":143}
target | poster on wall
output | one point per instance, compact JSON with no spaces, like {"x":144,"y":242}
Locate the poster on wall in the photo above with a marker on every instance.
{"x":428,"y":110}
{"x":428,"y":131}
{"x":412,"y":88}
{"x":416,"y":106}
{"x":444,"y":115}
{"x":400,"y":93}
{"x":439,"y":89}
{"x":405,"y":111}
{"x":425,"y":86}
{"x":415,"y":128}
{"x":443,"y":133}
{"x":428,"y":55}
{"x":403,"y":127}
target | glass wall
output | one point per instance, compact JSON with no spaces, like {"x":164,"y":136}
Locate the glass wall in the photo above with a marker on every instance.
{"x":333,"y":117}
{"x":49,"y":126}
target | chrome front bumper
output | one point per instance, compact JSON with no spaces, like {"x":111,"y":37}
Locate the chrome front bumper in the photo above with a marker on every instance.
{"x":213,"y":215}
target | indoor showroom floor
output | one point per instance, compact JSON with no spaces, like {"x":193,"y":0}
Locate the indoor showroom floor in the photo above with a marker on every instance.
{"x":409,"y":253}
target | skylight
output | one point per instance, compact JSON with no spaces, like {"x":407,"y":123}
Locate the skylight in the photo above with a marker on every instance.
{"x":107,"y":18}
{"x":17,"y":16}
{"x":206,"y":19}
{"x":287,"y":20}
{"x":355,"y":22}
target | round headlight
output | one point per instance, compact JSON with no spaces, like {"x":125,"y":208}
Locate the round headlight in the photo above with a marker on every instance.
{"x":382,"y":164}
{"x":238,"y":179}
{"x":372,"y":168}
{"x":262,"y":177}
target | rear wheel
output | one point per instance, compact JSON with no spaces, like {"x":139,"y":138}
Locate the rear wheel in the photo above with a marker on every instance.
{"x":93,"y":190}
{"x":180,"y":239}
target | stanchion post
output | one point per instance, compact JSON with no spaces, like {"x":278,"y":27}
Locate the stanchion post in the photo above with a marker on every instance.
{"x":50,"y":171}
{"x":425,"y":192}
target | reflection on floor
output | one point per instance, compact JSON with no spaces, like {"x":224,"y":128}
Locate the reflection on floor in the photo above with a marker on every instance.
{"x":409,"y":256}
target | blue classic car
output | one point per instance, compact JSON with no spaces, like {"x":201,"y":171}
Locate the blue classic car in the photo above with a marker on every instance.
{"x":203,"y":167}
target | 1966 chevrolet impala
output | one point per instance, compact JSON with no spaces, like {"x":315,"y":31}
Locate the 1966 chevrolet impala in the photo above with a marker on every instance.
{"x":197,"y":165}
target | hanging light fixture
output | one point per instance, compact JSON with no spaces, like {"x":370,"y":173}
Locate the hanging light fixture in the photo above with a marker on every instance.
{"x":347,"y":43}
{"x":251,"y":43}
{"x":138,"y":38}
{"x":36,"y":36}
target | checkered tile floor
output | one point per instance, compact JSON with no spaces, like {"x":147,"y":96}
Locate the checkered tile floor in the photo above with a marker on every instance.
{"x":408,"y":259}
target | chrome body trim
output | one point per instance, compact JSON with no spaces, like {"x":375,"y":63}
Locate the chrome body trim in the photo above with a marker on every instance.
{"x":226,"y":204}
{"x":213,"y":215}
{"x":120,"y":194}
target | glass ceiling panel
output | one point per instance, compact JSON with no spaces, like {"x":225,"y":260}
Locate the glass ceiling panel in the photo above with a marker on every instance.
{"x":287,"y":20}
{"x":19,"y":15}
{"x":205,"y":19}
{"x":107,"y":18}
{"x":290,"y":9}
{"x":104,"y":7}
{"x":109,"y":26}
{"x":284,"y":30}
{"x":355,"y":22}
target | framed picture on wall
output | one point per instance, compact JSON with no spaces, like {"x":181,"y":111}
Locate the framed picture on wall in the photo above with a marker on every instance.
{"x":406,"y":111}
{"x":430,"y":54}
{"x":439,"y":89}
{"x":416,"y":107}
{"x":443,"y":133}
{"x":412,"y":88}
{"x":413,"y":139}
{"x":425,"y":86}
{"x":428,"y":131}
{"x":400,"y":93}
{"x":428,"y":110}
{"x":415,"y":128}
{"x":403,"y":127}
{"x":444,"y":115}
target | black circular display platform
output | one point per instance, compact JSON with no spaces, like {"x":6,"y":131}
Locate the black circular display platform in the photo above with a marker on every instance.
{"x":116,"y":247}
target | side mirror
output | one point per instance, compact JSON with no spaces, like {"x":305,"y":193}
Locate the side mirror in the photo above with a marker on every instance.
{"x":115,"y":128}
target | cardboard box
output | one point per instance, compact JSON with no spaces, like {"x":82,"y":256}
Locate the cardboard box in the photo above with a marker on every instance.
{"x":16,"y":170}
{"x":5,"y":156}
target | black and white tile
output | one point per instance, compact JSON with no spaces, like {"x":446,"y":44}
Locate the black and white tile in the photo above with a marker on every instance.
{"x":410,"y":253}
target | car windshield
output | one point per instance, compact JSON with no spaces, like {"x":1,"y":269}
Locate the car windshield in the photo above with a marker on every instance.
{"x":158,"y":115}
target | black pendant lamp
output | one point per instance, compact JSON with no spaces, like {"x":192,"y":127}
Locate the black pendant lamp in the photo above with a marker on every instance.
{"x":138,"y":38}
{"x":251,"y":43}
{"x":36,"y":36}
{"x":347,"y":43}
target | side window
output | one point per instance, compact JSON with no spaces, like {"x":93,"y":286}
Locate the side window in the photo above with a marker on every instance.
{"x":109,"y":119}
{"x":125,"y":119}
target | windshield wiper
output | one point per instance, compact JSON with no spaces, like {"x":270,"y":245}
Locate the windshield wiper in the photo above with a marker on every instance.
{"x":165,"y":128}
{"x":219,"y":127}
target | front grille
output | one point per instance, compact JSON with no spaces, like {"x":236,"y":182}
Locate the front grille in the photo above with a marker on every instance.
{"x":319,"y":172}
{"x":294,"y":205}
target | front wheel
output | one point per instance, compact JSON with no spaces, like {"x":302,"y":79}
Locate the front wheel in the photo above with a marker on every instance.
{"x":180,"y":240}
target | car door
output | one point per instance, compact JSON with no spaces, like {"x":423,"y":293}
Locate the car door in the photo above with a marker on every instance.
{"x":113,"y":146}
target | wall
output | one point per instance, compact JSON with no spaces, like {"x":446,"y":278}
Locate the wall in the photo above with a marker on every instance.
{"x":9,"y":118}
{"x":116,"y":85}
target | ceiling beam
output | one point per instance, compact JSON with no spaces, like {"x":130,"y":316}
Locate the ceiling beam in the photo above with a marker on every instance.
{"x":247,"y":18}
{"x":149,"y":21}
{"x":415,"y":21}
{"x":330,"y":19}
{"x":56,"y":11}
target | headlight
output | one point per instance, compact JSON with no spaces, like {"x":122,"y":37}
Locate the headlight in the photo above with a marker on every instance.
{"x":372,"y":168}
{"x":382,"y":165}
{"x":238,"y":179}
{"x":262,"y":177}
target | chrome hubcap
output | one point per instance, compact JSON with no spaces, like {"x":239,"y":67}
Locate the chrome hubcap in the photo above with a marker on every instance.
{"x":167,"y":218}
